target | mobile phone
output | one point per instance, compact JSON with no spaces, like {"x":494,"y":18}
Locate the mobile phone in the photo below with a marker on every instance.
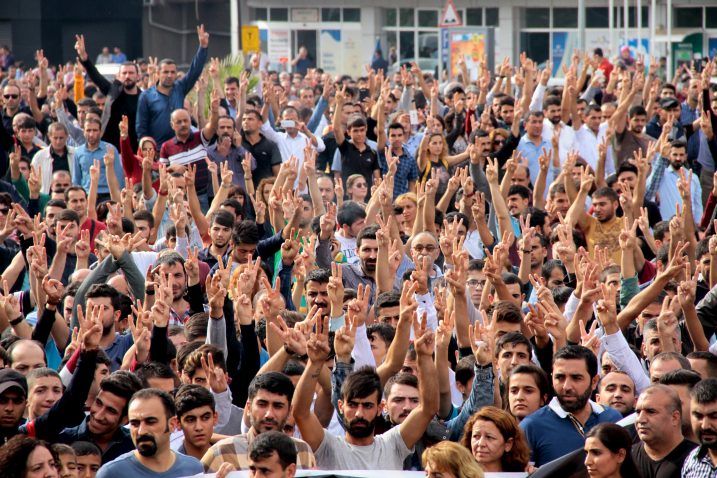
{"x":363,"y":94}
{"x":413,"y":115}
{"x":288,"y":124}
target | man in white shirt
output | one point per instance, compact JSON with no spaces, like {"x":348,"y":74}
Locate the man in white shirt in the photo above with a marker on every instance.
{"x":295,"y":137}
{"x":589,"y":133}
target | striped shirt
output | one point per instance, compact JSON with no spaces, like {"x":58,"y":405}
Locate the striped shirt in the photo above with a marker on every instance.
{"x":235,"y":450}
{"x":192,"y":151}
{"x":698,"y":464}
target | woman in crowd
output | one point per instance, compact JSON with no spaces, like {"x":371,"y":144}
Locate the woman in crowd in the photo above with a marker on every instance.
{"x":608,"y":452}
{"x":450,"y":460}
{"x":528,"y":389}
{"x":25,"y":457}
{"x":496,"y":441}
{"x":357,"y":188}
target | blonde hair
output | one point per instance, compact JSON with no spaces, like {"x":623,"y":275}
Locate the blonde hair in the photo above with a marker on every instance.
{"x":406,"y":197}
{"x":448,"y":456}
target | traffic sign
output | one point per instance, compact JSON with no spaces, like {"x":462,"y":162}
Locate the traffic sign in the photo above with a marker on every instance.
{"x":450,"y":17}
{"x":250,"y":38}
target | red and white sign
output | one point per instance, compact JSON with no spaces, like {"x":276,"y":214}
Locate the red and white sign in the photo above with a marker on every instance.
{"x":450,"y":17}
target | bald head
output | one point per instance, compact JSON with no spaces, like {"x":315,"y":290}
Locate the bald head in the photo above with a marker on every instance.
{"x":181,"y":123}
{"x":26,"y":355}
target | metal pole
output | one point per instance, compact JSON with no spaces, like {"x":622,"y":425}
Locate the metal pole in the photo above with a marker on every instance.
{"x":611,"y":26}
{"x":234,"y":27}
{"x":639,"y":24}
{"x":653,"y":7}
{"x":581,"y":25}
{"x":626,"y":20}
{"x":670,"y":66}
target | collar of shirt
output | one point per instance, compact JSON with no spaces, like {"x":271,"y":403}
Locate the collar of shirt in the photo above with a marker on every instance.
{"x":555,"y":406}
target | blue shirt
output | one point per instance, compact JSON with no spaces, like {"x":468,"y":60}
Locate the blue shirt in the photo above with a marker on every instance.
{"x":551,"y":433}
{"x":406,"y":172}
{"x":154,"y":108}
{"x":128,"y":465}
{"x":84,"y":159}
{"x":532,"y":152}
{"x":663,"y":182}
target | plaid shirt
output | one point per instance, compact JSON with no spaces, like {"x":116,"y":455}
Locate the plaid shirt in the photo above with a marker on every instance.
{"x":235,"y":450}
{"x":698,"y":464}
{"x":406,"y":172}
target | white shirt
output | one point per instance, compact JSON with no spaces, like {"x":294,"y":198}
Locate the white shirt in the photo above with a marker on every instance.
{"x":586,"y":142}
{"x":566,"y":142}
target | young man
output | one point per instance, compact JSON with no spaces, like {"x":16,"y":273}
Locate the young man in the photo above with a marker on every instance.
{"x":104,"y":426}
{"x":406,"y":172}
{"x":659,"y":425}
{"x":559,"y":427}
{"x":269,"y":407}
{"x":221,"y":224}
{"x":264,"y":151}
{"x":197,"y":418}
{"x":56,"y":157}
{"x":76,"y":199}
{"x":617,"y":390}
{"x":152,"y":416}
{"x":702,"y":461}
{"x":96,"y":150}
{"x":357,"y":157}
{"x":351,"y":219}
{"x":360,"y":405}
{"x":44,"y":389}
{"x":272,"y":455}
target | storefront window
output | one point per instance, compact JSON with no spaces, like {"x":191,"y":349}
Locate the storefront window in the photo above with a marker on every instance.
{"x":565,"y":17}
{"x":279,"y":14}
{"x":406,"y":17}
{"x":491,"y":17}
{"x":330,"y":14}
{"x":537,"y":18}
{"x":408,"y":46}
{"x":428,"y":18}
{"x":352,"y":15}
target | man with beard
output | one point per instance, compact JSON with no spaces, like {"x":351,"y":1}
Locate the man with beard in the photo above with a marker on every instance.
{"x":702,"y":461}
{"x":683,"y":381}
{"x":220,"y":232}
{"x":617,"y":390}
{"x":152,"y":417}
{"x":363,"y":272}
{"x":663,"y":183}
{"x":604,"y":227}
{"x":360,"y":405}
{"x":265,"y":152}
{"x":560,"y":427}
{"x":269,"y":407}
{"x":158,"y":102}
{"x":555,"y":115}
{"x":663,"y":449}
{"x":96,"y":150}
{"x":629,"y":126}
{"x":122,"y":95}
{"x":228,"y":148}
{"x":533,"y":142}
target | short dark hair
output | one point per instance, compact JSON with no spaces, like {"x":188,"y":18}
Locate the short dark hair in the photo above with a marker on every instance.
{"x":401,"y":378}
{"x":709,"y":357}
{"x":539,"y":375}
{"x":368,"y":232}
{"x":387,"y":299}
{"x":520,"y":190}
{"x":357,"y":121}
{"x":705,"y":391}
{"x":507,"y":311}
{"x":191,"y":396}
{"x":361,"y":384}
{"x":68,"y":215}
{"x":514,"y":338}
{"x":274,"y":382}
{"x":684,"y":363}
{"x":144,"y":215}
{"x":123,"y":384}
{"x":349,"y":213}
{"x":104,"y":290}
{"x":396,"y":125}
{"x":606,"y":192}
{"x":465,"y":369}
{"x":194,"y":361}
{"x":385,"y":331}
{"x":86,"y":448}
{"x":321,"y":276}
{"x":196,"y":326}
{"x":74,"y":188}
{"x":268,"y":443}
{"x":681,"y":377}
{"x":245,"y":232}
{"x":578,"y":352}
{"x":223,"y":218}
{"x":148,"y":370}
{"x":164,"y":397}
{"x":637,"y":110}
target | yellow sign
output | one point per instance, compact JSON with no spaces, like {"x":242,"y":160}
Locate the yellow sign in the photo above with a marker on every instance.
{"x":250,"y":38}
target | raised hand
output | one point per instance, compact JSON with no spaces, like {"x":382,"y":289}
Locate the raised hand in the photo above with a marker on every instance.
{"x":203,"y":36}
{"x":317,"y":347}
{"x":91,"y":328}
{"x":294,"y":340}
{"x":54,"y":290}
{"x":345,"y":339}
{"x":336,"y":289}
{"x":80,"y":47}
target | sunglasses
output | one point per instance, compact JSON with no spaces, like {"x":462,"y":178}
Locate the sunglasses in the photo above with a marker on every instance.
{"x":14,"y":97}
{"x":4,"y":210}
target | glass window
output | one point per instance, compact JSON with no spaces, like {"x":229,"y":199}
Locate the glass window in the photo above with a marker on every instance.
{"x":536,"y":45}
{"x":408,"y":46}
{"x":406,"y":17}
{"x":391,"y":42}
{"x":688,"y":17}
{"x":427,"y":45}
{"x":428,"y":18}
{"x":261,"y":14}
{"x":474,"y":16}
{"x":632,"y":11}
{"x":352,"y":15}
{"x":390,"y":17}
{"x":597,"y":17}
{"x":537,"y":18}
{"x":491,"y":17}
{"x":565,"y":17}
{"x":330,"y":14}
{"x":711,"y":17}
{"x":279,"y":14}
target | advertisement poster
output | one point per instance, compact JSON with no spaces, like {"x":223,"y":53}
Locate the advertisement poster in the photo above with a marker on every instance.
{"x":330,"y":59}
{"x":469,"y":46}
{"x":279,"y":48}
{"x":353,"y":52}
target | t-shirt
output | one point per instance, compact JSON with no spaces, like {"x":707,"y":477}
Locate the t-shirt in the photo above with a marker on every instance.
{"x":668,"y":467}
{"x":348,"y":248}
{"x":604,"y":234}
{"x":127,"y":465}
{"x":354,"y":161}
{"x":387,"y":452}
{"x":628,"y":142}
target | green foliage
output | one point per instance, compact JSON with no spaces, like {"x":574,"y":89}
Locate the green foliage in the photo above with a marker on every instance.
{"x":231,"y":65}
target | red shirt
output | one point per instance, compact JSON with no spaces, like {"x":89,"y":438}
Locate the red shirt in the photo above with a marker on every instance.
{"x":87,"y":226}
{"x":193,"y":151}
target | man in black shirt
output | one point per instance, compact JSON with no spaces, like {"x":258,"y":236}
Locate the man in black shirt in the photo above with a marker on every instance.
{"x":659,"y":425}
{"x":265,"y":152}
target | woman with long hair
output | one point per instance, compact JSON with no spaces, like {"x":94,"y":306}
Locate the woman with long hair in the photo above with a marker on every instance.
{"x":433,"y":154}
{"x":25,"y":457}
{"x":357,"y":188}
{"x":449,"y":460}
{"x":608,"y":452}
{"x":496,"y":441}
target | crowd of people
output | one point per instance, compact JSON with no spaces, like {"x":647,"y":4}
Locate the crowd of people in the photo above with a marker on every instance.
{"x":393,"y":272}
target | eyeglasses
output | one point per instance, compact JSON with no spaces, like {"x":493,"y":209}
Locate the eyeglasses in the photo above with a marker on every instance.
{"x":14,"y":97}
{"x":420,"y":248}
{"x":474,"y":283}
{"x":361,"y":185}
{"x":4,"y":210}
{"x":498,"y":141}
